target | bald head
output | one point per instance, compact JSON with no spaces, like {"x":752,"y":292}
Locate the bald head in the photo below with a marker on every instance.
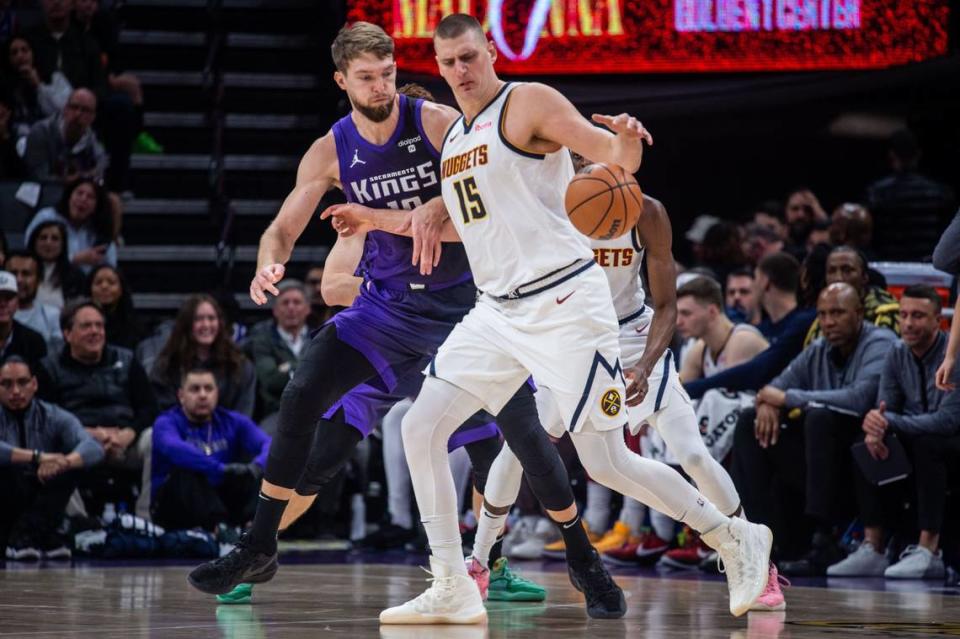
{"x":840,"y":312}
{"x":843,"y":294}
{"x":79,"y":113}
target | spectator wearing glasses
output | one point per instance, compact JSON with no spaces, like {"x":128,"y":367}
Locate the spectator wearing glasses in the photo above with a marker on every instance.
{"x":42,"y":449}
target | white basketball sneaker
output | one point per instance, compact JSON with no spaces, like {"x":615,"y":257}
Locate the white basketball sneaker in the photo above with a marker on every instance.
{"x":451,"y":599}
{"x":744,"y":549}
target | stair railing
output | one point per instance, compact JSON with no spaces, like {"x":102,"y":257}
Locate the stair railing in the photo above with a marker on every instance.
{"x":221,"y":210}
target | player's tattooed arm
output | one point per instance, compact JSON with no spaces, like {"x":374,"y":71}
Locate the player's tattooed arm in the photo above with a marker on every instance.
{"x":657,"y":236}
{"x":317,"y":173}
{"x":540,"y":119}
{"x":341,"y":285}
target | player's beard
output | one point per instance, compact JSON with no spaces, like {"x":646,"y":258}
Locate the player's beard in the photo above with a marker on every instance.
{"x":376,"y":113}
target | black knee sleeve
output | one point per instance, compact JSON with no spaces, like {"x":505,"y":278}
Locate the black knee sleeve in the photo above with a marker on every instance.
{"x":540,"y":459}
{"x":482,"y":454}
{"x":333,"y":447}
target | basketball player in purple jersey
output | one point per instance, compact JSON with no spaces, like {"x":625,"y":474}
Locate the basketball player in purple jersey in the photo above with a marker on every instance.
{"x":383,"y":155}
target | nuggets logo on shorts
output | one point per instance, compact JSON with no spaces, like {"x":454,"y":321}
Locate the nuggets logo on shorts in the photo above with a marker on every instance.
{"x":611,"y":403}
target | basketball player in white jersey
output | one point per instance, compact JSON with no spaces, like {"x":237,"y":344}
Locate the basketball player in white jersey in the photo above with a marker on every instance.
{"x":720,"y":343}
{"x":659,"y":398}
{"x":545,"y":311}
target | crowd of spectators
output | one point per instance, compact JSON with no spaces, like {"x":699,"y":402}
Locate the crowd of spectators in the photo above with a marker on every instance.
{"x":785,"y":332}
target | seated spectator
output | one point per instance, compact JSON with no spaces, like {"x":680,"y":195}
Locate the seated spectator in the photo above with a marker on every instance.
{"x":769,"y":214}
{"x":64,"y":147}
{"x":84,"y":211}
{"x":61,"y":280}
{"x":42,"y":448}
{"x":58,"y":44}
{"x":927,"y":421}
{"x":803,"y":210}
{"x":109,"y":392}
{"x":785,"y":326}
{"x":42,"y":318}
{"x":852,"y":225}
{"x":719,"y":343}
{"x":15,"y":338}
{"x":108,"y":288}
{"x":33,"y":98}
{"x":102,"y":26}
{"x":11,"y":165}
{"x":199,"y":339}
{"x":761,"y":241}
{"x":831,"y":385}
{"x":880,"y":308}
{"x":741,"y":297}
{"x":819,"y":234}
{"x":202,"y":473}
{"x":907,"y":194}
{"x":275,"y":351}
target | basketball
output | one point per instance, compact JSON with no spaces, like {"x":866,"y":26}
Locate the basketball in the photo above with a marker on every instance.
{"x":603,"y":201}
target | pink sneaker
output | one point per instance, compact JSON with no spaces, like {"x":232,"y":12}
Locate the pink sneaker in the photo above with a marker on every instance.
{"x":772,"y":598}
{"x":481,"y":576}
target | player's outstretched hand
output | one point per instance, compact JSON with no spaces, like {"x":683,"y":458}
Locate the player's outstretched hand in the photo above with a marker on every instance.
{"x":426,"y":225}
{"x":349,"y":219}
{"x":263,"y":283}
{"x":625,"y":125}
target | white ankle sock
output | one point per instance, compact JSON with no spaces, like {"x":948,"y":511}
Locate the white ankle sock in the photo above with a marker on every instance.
{"x":632,"y":514}
{"x":489,"y":527}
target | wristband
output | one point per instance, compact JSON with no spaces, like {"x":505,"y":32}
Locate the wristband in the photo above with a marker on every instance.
{"x":36,"y":458}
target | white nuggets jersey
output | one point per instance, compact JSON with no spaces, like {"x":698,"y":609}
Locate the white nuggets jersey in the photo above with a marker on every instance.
{"x":505,"y":200}
{"x":620,"y":259}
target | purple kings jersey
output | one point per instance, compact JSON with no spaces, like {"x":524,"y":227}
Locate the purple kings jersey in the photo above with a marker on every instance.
{"x":401,"y":174}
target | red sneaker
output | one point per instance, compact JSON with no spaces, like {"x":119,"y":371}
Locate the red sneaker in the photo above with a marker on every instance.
{"x":626,"y":554}
{"x":480,"y":576}
{"x":651,"y":548}
{"x":690,"y":553}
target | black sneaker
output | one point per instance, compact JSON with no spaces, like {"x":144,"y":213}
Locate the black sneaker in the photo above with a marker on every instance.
{"x":824,"y":552}
{"x":604,"y":597}
{"x":241,"y":565}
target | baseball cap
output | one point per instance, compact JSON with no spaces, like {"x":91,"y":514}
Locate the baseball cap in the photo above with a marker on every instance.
{"x":8,"y":282}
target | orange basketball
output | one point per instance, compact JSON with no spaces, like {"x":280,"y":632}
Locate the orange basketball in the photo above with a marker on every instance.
{"x":603,"y":201}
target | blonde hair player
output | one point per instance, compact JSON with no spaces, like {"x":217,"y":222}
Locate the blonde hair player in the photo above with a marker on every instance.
{"x":544,"y":310}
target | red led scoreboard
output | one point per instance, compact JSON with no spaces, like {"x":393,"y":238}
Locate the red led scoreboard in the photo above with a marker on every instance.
{"x":628,"y":36}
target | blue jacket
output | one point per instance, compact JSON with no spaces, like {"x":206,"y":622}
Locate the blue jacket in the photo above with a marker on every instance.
{"x":228,"y":437}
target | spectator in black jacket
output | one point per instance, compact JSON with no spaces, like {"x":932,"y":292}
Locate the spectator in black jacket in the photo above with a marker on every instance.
{"x":107,"y":389}
{"x":908,"y":207}
{"x":15,"y":338}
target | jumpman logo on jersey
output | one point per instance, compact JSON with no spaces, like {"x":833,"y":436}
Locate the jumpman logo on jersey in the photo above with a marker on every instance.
{"x":356,"y":158}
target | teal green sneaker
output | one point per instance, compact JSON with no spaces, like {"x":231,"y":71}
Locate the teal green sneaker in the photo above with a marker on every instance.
{"x":507,"y":586}
{"x":242,"y":594}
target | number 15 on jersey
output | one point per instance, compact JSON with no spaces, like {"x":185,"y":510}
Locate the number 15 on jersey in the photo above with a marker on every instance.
{"x":471,"y":204}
